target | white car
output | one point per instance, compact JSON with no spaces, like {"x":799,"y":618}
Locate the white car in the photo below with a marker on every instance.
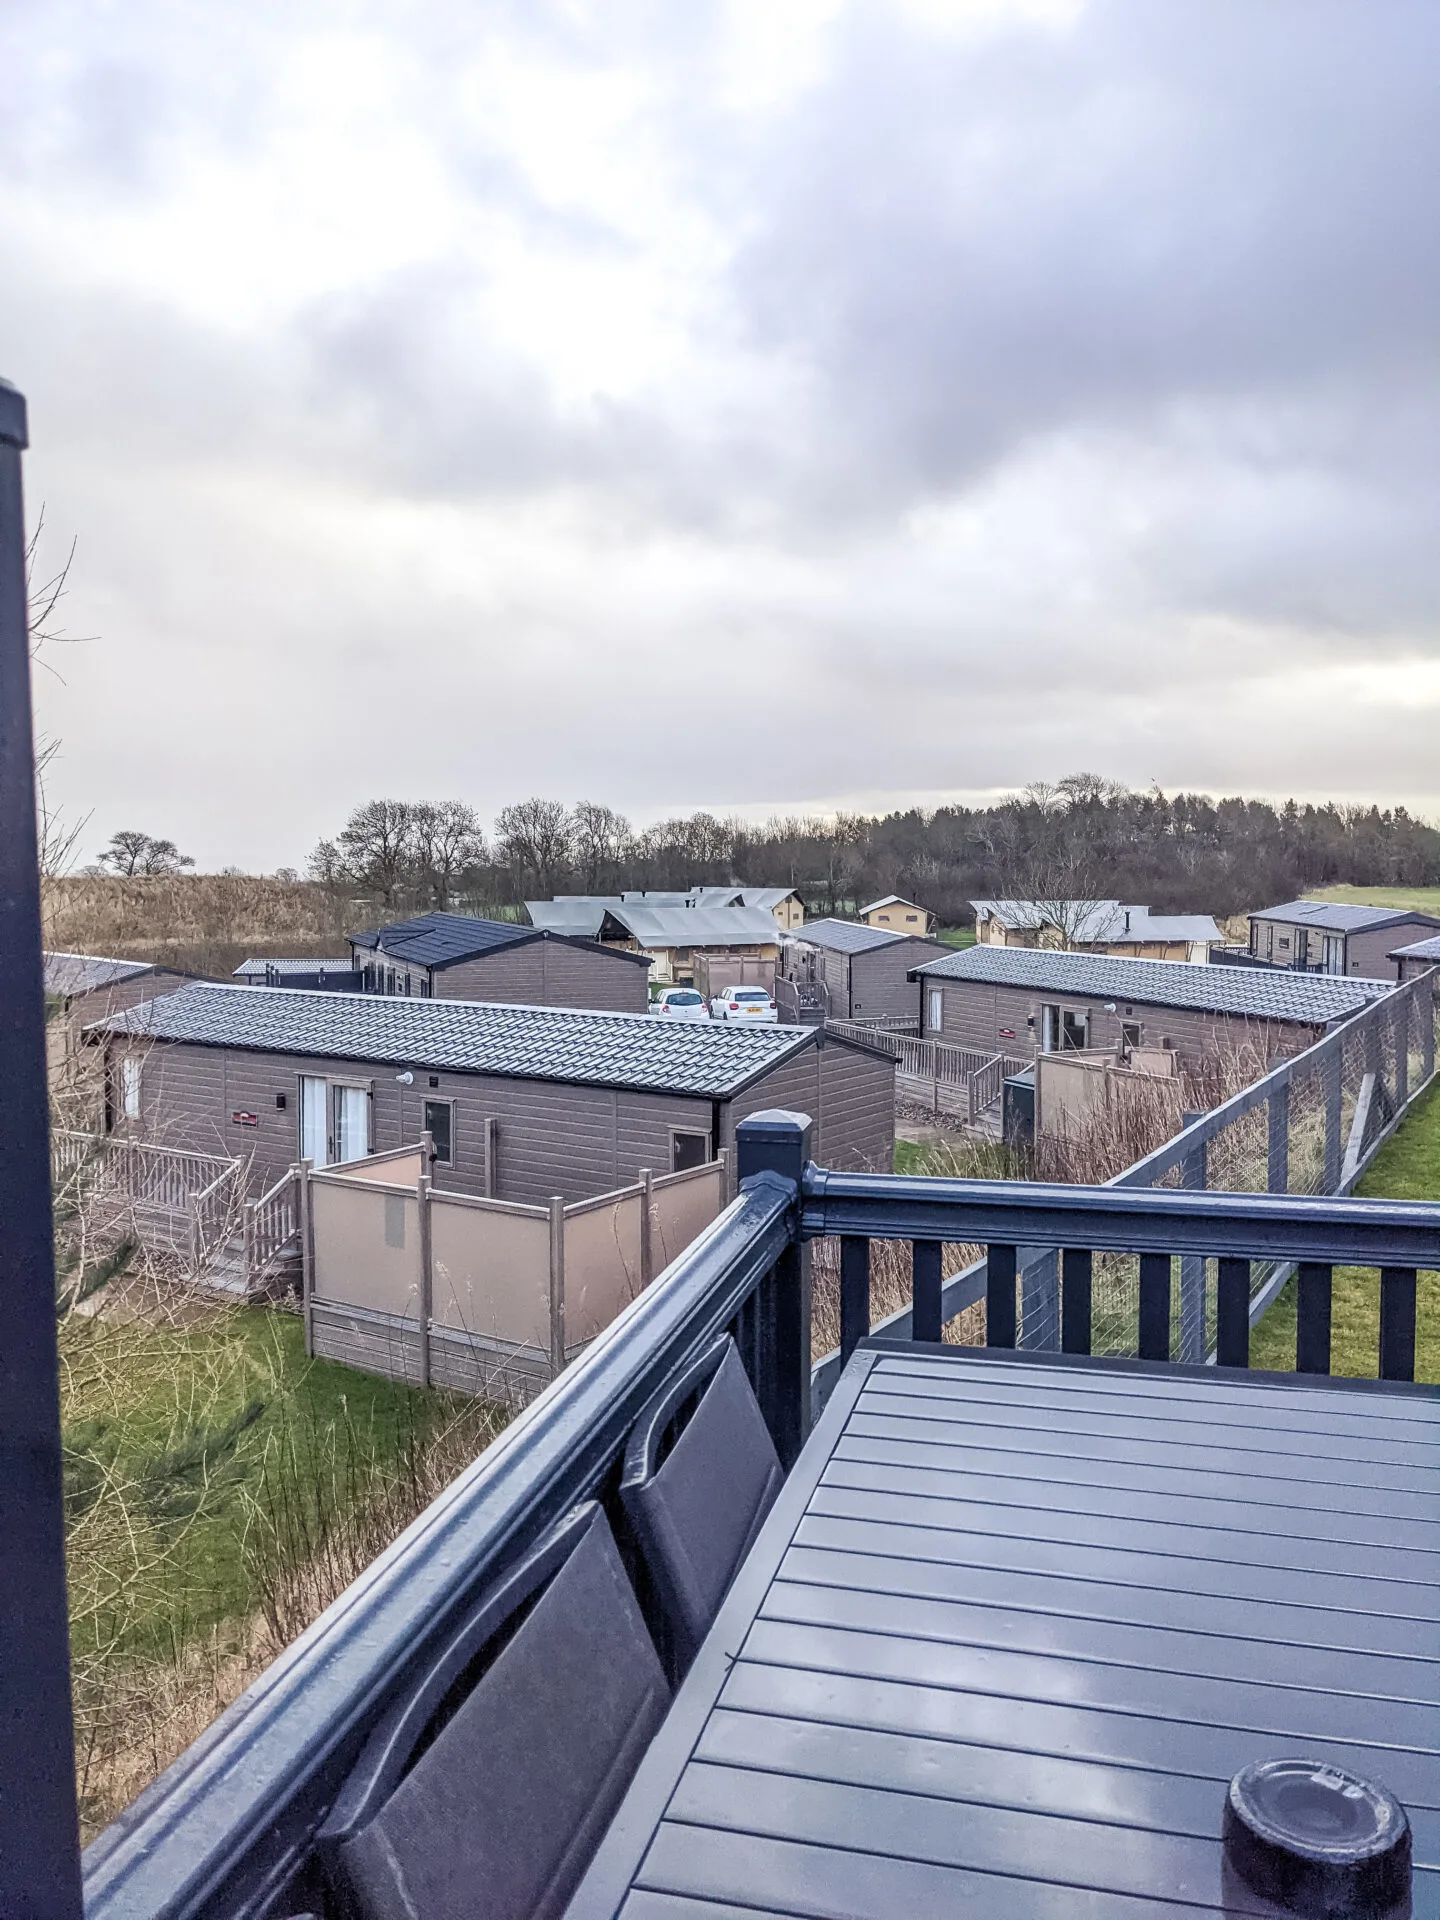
{"x":680,"y":1003}
{"x":749,"y":1004}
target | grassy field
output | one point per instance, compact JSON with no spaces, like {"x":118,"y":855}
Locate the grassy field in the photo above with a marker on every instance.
{"x":1406,"y":1168}
{"x":1422,"y":899}
{"x":957,"y":936}
{"x":220,"y":1489}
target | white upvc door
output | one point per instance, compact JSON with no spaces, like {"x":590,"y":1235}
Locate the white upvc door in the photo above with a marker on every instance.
{"x":315,"y":1121}
{"x":352,"y":1123}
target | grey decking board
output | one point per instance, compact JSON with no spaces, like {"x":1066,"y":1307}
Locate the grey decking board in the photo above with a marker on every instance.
{"x":1078,"y":1524}
{"x":964,"y":1773}
{"x":1410,"y":1610}
{"x":1341,"y":1400}
{"x":1130,"y":1502}
{"x":877,"y":1732}
{"x":1284,"y":1713}
{"x":644,"y":1905}
{"x":824,"y":1883}
{"x":1160,"y":1650}
{"x":1087,"y":1459}
{"x":1285,"y":1449}
{"x":1279,"y":1624}
{"x":1108,"y":1737}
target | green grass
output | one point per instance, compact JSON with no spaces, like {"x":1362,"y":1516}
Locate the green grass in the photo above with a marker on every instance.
{"x":956,"y":936}
{"x":1406,"y":1168}
{"x":1421,"y":899}
{"x":169,"y":1434}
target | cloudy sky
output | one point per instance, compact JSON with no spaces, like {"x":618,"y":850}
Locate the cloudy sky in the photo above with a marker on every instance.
{"x":783,"y":403}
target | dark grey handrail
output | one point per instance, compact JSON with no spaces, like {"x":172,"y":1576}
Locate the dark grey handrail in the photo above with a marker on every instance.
{"x":1161,"y":1220}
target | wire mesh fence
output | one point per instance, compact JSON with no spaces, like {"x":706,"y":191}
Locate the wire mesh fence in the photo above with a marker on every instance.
{"x":1311,"y":1125}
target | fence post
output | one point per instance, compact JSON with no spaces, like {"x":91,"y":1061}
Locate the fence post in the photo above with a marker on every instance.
{"x":647,"y":1226}
{"x":248,"y":1212}
{"x":1425,"y":997}
{"x":557,"y":1284}
{"x":779,"y":1142}
{"x":1195,"y":1175}
{"x":1277,"y":1157}
{"x":427,"y":1270}
{"x":39,"y":1834}
{"x":727,"y":1177}
{"x":307,"y":1254}
{"x":1401,"y":1013}
{"x":1331,"y":1071}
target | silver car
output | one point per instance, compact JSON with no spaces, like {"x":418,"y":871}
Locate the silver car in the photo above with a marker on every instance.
{"x":749,"y":1004}
{"x":680,"y":1003}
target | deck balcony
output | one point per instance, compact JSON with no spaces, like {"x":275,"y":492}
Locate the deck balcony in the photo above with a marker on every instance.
{"x":231,"y":1830}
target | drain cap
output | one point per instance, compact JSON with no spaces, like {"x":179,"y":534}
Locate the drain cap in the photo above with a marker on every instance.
{"x":1317,"y":1840}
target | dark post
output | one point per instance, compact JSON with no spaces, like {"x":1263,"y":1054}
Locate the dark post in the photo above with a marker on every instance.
{"x":1278,"y":1142}
{"x":1193,"y":1267}
{"x":1331,"y":1072}
{"x":39,"y":1835}
{"x":779,"y":1142}
{"x":1076,"y":1270}
{"x":1154,"y":1315}
{"x":926,"y":1309}
{"x":1400,"y":1013}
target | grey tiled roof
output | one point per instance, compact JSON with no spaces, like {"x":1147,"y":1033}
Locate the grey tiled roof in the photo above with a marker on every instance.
{"x":432,"y":939}
{"x":67,"y":974}
{"x":1338,"y":916}
{"x":846,"y":936}
{"x":298,"y":965}
{"x":1257,"y":993}
{"x":1419,"y":949}
{"x":471,"y":1036}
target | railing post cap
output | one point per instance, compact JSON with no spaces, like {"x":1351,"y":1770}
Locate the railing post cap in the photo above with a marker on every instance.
{"x":773,"y":1141}
{"x":14,"y":428}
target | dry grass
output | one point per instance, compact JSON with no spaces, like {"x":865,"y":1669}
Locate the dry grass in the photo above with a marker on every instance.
{"x":201,"y":923}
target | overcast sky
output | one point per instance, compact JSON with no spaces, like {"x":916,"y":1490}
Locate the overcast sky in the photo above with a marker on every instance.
{"x":778,"y":404}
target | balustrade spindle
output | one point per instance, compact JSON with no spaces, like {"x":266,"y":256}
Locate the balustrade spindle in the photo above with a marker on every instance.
{"x":1232,"y":1313}
{"x":1000,"y":1296}
{"x":925,"y":1321}
{"x":1154,"y":1328}
{"x":1076,"y":1270}
{"x":1397,"y":1323}
{"x":1312,"y":1328}
{"x":854,"y":1293}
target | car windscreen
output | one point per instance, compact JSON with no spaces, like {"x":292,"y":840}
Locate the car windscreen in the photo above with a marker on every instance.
{"x":684,"y":999}
{"x":750,"y":993}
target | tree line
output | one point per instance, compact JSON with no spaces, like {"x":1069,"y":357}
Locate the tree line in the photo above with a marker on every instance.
{"x":1083,"y":837}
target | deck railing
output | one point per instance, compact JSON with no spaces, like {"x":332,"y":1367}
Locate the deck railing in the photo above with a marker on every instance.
{"x":229,"y":1827}
{"x":271,"y":1225}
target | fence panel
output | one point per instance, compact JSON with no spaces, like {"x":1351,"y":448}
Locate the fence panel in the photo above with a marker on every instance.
{"x":602,"y":1263}
{"x":684,"y":1205}
{"x":492,"y":1270}
{"x":367,"y":1245}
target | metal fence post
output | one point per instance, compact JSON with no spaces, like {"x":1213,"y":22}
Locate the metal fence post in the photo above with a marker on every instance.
{"x":1195,"y":1175}
{"x":1277,"y":1146}
{"x":647,"y":1226}
{"x":1425,"y":997}
{"x":427,"y":1271}
{"x":1401,"y":1016}
{"x":557,"y":1284}
{"x":307,"y":1254}
{"x":1330,"y":1073}
{"x":778,"y":1142}
{"x":39,"y":1833}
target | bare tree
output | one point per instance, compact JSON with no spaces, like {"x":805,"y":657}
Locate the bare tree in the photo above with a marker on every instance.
{"x":535,"y":838}
{"x":601,"y":842}
{"x":135,"y":855}
{"x":448,"y":841}
{"x":377,"y":847}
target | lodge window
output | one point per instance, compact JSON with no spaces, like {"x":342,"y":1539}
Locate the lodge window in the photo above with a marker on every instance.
{"x":130,"y":1086}
{"x":334,"y":1120}
{"x":688,"y":1150}
{"x":440,"y":1125}
{"x":1130,"y":1031}
{"x":935,"y":1010}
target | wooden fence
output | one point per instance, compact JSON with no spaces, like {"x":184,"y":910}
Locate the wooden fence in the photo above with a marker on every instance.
{"x":963,"y":1082}
{"x":489,"y":1297}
